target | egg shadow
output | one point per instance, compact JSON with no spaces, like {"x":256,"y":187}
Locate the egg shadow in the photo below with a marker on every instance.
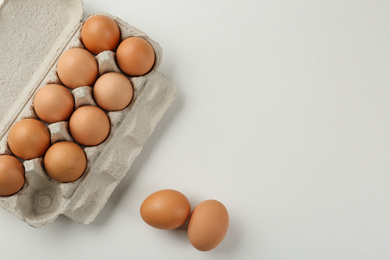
{"x":179,"y":235}
{"x":126,"y":183}
{"x":231,"y":242}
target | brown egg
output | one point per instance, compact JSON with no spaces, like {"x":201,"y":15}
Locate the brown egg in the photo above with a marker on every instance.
{"x":89,"y":125}
{"x":76,"y":68}
{"x":113,"y":91}
{"x":29,"y":138}
{"x":100,"y":33}
{"x":165,"y":209}
{"x":135,"y":56}
{"x":11,"y":175}
{"x":65,"y":161}
{"x":53,"y":103}
{"x":208,"y":225}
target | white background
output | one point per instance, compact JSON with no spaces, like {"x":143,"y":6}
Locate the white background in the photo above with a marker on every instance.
{"x":282,"y":114}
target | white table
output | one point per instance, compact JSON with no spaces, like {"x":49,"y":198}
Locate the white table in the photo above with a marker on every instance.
{"x":282,"y":114}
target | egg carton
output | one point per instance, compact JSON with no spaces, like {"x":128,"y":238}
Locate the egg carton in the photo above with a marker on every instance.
{"x":53,"y":26}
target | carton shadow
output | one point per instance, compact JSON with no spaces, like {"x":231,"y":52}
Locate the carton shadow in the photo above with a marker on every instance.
{"x":128,"y":180}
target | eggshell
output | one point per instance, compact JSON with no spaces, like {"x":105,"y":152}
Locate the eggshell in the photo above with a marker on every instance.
{"x":65,"y":161}
{"x":208,"y":225}
{"x":76,"y":68}
{"x":135,"y":56}
{"x":113,"y":91}
{"x":28,"y":138}
{"x":11,"y":175}
{"x":100,"y":33}
{"x":165,"y":209}
{"x":89,"y":125}
{"x":53,"y":103}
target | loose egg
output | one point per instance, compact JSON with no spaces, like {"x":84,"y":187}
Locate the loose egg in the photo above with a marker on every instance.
{"x":53,"y":103}
{"x":65,"y":161}
{"x":135,"y":56}
{"x":165,"y":209}
{"x":28,"y":138}
{"x":11,"y":175}
{"x":100,"y":33}
{"x":208,"y":225}
{"x":113,"y":91}
{"x":76,"y":68}
{"x":89,"y":125}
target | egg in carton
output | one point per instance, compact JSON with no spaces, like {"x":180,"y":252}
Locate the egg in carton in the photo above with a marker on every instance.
{"x":53,"y":27}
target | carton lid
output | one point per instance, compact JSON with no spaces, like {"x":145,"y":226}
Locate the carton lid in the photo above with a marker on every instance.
{"x":32,"y":35}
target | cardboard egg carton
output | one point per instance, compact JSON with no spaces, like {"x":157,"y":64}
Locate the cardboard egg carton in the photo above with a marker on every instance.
{"x":52,"y":27}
